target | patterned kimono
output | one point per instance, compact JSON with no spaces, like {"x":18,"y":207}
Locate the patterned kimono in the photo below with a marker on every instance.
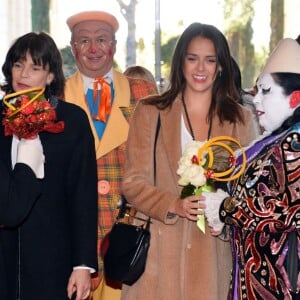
{"x":264,"y":212}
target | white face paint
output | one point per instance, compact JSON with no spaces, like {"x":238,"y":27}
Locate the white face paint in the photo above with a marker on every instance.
{"x":272,"y":106}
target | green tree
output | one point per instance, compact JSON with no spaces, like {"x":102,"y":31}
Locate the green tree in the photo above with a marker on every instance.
{"x":69,"y":63}
{"x":167,"y":50}
{"x":40,"y":15}
{"x":238,"y":18}
{"x":277,"y":23}
{"x":247,"y":54}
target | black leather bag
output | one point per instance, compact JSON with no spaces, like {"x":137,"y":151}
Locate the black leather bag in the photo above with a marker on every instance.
{"x":126,"y":245}
{"x":126,"y":255}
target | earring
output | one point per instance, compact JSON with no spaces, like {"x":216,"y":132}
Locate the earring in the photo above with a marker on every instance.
{"x":220,"y":73}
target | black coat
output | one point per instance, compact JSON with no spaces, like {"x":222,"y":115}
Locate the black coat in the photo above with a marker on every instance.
{"x":60,"y":229}
{"x":19,"y":189}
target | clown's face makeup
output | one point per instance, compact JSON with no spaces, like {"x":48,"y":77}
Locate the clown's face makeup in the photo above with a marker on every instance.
{"x":93,"y":46}
{"x":272,"y":106}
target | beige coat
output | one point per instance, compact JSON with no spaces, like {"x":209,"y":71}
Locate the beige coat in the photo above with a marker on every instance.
{"x":183,"y":263}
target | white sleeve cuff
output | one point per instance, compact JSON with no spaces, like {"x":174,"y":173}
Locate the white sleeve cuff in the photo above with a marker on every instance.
{"x":92,"y":270}
{"x":213,"y":201}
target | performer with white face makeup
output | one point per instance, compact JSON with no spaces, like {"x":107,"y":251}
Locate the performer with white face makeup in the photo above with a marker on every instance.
{"x":273,"y":105}
{"x":263,"y":205}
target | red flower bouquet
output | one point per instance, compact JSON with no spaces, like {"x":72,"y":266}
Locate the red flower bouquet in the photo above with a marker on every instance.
{"x":29,"y":113}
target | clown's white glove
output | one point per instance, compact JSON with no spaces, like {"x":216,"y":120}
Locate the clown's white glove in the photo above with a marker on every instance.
{"x":30,"y":152}
{"x":212,"y":202}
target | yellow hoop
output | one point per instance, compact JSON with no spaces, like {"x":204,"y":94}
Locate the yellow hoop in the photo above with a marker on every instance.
{"x":218,"y":141}
{"x":23,"y":92}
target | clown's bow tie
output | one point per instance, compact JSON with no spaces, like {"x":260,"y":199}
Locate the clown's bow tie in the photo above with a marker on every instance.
{"x":104,"y":93}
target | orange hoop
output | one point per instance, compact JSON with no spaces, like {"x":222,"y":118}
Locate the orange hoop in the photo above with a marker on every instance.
{"x":219,"y":141}
{"x":23,"y":92}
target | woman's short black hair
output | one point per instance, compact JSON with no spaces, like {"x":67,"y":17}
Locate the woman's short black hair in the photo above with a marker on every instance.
{"x":44,"y":52}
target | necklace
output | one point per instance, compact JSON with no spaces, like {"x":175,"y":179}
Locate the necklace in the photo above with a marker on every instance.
{"x":189,"y":122}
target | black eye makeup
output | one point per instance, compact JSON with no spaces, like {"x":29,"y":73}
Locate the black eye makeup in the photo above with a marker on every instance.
{"x":266,"y":91}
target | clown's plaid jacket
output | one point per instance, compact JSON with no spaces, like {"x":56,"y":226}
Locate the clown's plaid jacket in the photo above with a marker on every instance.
{"x":111,"y":148}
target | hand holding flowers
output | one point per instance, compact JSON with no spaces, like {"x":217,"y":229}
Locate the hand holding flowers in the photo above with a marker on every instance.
{"x":199,"y":167}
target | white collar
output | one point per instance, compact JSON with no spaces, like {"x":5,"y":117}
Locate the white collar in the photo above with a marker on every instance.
{"x":88,"y":81}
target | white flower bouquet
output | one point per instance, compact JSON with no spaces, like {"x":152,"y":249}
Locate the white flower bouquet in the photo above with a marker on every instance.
{"x":202,"y":163}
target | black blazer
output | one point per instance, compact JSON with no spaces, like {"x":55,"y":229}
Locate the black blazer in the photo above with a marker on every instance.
{"x":59,"y":230}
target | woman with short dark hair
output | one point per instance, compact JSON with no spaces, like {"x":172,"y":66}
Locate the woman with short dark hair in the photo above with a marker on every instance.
{"x":50,"y":252}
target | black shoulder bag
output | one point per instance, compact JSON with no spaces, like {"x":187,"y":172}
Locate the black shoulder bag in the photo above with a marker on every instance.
{"x":128,"y":244}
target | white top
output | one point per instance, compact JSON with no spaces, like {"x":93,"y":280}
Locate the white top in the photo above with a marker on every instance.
{"x":88,"y":82}
{"x":185,"y":135}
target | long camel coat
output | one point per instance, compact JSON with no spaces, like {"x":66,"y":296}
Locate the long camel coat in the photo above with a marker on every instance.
{"x":183,"y":263}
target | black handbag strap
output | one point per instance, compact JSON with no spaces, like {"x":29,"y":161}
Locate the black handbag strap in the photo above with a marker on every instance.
{"x":154,"y":150}
{"x":124,"y":204}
